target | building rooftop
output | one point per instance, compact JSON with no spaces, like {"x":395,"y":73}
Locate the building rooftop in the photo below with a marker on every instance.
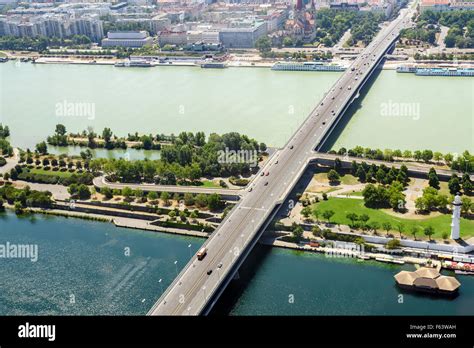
{"x":427,"y":279}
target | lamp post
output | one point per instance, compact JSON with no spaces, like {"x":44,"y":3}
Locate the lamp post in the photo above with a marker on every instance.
{"x":176,"y":265}
{"x":189,"y":248}
{"x":161,"y":285}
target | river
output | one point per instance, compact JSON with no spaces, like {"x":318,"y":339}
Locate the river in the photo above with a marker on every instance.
{"x":94,"y":268}
{"x":399,"y":111}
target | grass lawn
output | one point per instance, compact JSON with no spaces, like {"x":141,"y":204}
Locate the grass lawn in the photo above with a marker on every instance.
{"x":342,"y":206}
{"x":65,"y":174}
{"x":205,"y":183}
{"x":349,"y":179}
{"x":210,"y":184}
{"x":357,"y":193}
{"x":321,"y":177}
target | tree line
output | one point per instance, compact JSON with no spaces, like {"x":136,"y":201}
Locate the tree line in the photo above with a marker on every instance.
{"x":463,"y":162}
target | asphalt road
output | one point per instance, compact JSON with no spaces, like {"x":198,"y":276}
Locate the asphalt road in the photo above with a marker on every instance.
{"x":190,"y":291}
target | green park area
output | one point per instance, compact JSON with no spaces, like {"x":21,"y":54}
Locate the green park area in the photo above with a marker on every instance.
{"x":58,"y":173}
{"x":210,"y":184}
{"x":343,"y":206}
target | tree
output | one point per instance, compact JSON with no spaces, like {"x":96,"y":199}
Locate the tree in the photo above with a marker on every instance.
{"x":454,"y":185}
{"x":188,"y":199}
{"x":401,"y":229}
{"x":467,"y":184}
{"x":316,"y":231}
{"x":433,"y":178}
{"x":60,"y":130}
{"x":361,"y":174}
{"x":127,"y":192}
{"x":364,"y":218}
{"x":427,"y":155}
{"x":298,"y":233}
{"x":263,"y":44}
{"x":387,"y":226}
{"x":327,"y":214}
{"x":380,"y":176}
{"x":466,"y":205}
{"x":333,"y":177}
{"x":13,"y":174}
{"x":407,"y":154}
{"x":437,"y":156}
{"x":262,"y":147}
{"x":353,"y":217}
{"x":306,"y":212}
{"x":42,"y":148}
{"x":83,"y":192}
{"x":201,"y":200}
{"x":2,"y":206}
{"x":448,"y":158}
{"x":287,"y":41}
{"x":18,"y":208}
{"x":374,"y":225}
{"x":152,"y":195}
{"x":107,"y":135}
{"x":393,"y":244}
{"x":316,"y":214}
{"x":213,"y":201}
{"x":165,"y":197}
{"x":107,"y":192}
{"x":147,"y":142}
{"x":429,"y":231}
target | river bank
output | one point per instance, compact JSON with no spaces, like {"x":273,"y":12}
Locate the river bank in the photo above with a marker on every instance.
{"x":403,"y":255}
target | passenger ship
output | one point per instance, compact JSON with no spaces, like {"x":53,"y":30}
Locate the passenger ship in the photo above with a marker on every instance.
{"x":440,"y":71}
{"x":307,"y":66}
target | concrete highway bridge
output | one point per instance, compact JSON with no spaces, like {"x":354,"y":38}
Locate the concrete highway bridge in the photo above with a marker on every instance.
{"x":199,"y":285}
